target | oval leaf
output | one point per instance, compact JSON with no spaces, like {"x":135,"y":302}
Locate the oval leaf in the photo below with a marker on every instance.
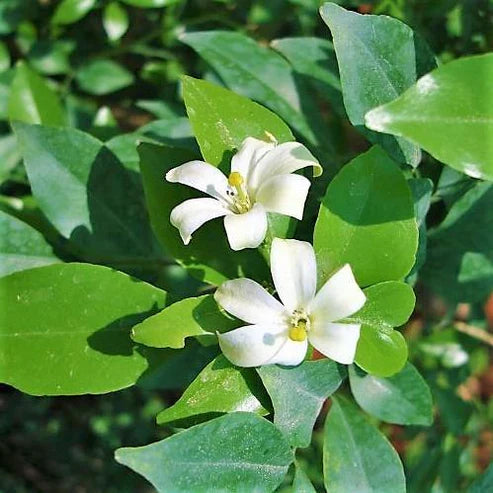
{"x":70,"y":11}
{"x":115,"y":21}
{"x":101,"y":77}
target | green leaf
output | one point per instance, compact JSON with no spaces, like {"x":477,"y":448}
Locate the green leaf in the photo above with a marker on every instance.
{"x":4,"y":57}
{"x":21,"y":246}
{"x":51,"y":57}
{"x":459,"y":263}
{"x":388,"y":304}
{"x":357,"y":456}
{"x":298,"y":395}
{"x":239,"y":452}
{"x":115,"y":21}
{"x":102,"y":77}
{"x":377,"y":63}
{"x":70,"y":11}
{"x":484,"y":483}
{"x":381,"y":352}
{"x":98,"y":203}
{"x":403,"y":399}
{"x":301,"y":483}
{"x":449,"y":113}
{"x":367,"y":220}
{"x":208,"y":257}
{"x":219,"y":388}
{"x":200,"y":316}
{"x":32,"y":100}
{"x":149,"y":4}
{"x":174,"y":132}
{"x":241,"y":63}
{"x":66,"y":329}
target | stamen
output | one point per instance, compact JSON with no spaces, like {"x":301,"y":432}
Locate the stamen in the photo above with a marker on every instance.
{"x":242,"y":202}
{"x":298,"y":332}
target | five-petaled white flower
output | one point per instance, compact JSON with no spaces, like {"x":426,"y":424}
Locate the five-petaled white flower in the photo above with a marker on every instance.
{"x":260,"y":181}
{"x":279,"y":333}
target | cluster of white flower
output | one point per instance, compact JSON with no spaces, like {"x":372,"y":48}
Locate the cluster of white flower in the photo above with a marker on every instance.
{"x":261,"y":181}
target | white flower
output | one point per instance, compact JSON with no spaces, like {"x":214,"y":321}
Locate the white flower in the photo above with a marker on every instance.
{"x":260,"y":181}
{"x":280,"y":332}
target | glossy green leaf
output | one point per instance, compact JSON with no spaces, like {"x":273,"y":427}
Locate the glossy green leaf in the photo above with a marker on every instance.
{"x":66,"y":329}
{"x":70,"y":11}
{"x":302,"y":483}
{"x":32,"y":100}
{"x":208,"y":256}
{"x":388,"y":304}
{"x":200,"y":316}
{"x":21,"y":246}
{"x":219,"y":388}
{"x":98,"y":204}
{"x":149,"y":4}
{"x":221,"y":120}
{"x":357,"y":456}
{"x":367,"y":220}
{"x":239,"y":452}
{"x":449,"y":113}
{"x":381,"y":352}
{"x":51,"y":57}
{"x":459,"y":263}
{"x":115,"y":21}
{"x":174,"y":132}
{"x":377,"y":63}
{"x":102,"y":77}
{"x":298,"y":395}
{"x":241,"y":63}
{"x":484,"y":483}
{"x":404,"y":398}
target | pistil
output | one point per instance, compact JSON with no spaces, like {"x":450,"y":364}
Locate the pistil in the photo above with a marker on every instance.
{"x":241,"y":200}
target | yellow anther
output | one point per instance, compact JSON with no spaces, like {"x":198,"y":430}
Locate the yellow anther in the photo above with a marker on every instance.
{"x":298,"y":332}
{"x":235,"y":179}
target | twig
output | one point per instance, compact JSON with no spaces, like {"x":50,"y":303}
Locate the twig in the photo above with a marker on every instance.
{"x":475,"y":332}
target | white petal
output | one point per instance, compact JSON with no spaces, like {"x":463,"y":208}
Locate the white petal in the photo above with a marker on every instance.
{"x":284,"y":159}
{"x":191,"y":214}
{"x":336,"y":341}
{"x":201,"y":176}
{"x":284,"y":194}
{"x":248,"y":155}
{"x":338,"y":298}
{"x":294,"y":272}
{"x":249,"y":301}
{"x":252,"y":345}
{"x":292,"y":353}
{"x":246,"y":230}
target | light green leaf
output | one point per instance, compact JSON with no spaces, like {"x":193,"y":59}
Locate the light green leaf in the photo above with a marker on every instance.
{"x":208,"y":256}
{"x":388,"y":304}
{"x":115,"y":21}
{"x":302,"y":483}
{"x":357,"y":457}
{"x":239,"y":452}
{"x":21,"y":246}
{"x":66,"y":329}
{"x":377,"y":63}
{"x":51,"y":57}
{"x":102,"y":77}
{"x":404,"y":398}
{"x":70,"y":11}
{"x":367,"y":220}
{"x":200,"y":316}
{"x":219,"y":388}
{"x":32,"y":100}
{"x":449,"y":113}
{"x":381,"y":352}
{"x":149,"y":4}
{"x":298,"y":395}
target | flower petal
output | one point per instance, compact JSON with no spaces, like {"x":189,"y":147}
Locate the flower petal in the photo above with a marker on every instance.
{"x":252,"y":345}
{"x":338,"y":298}
{"x":201,"y":176}
{"x":246,"y":230}
{"x":191,"y":214}
{"x":284,"y":159}
{"x":248,"y":155}
{"x":335,"y":340}
{"x":249,"y":301}
{"x":294,"y":272}
{"x":284,"y":194}
{"x":292,"y":353}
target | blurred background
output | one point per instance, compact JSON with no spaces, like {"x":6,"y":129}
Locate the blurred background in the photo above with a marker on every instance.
{"x":116,"y":65}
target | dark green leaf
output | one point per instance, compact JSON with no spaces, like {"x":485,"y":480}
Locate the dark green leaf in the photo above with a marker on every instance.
{"x":70,"y":11}
{"x":175,"y":132}
{"x":298,"y":394}
{"x":51,"y":57}
{"x":404,"y":398}
{"x":4,"y":57}
{"x":239,"y":452}
{"x":357,"y":457}
{"x":484,"y":483}
{"x":101,"y":77}
{"x":66,"y":329}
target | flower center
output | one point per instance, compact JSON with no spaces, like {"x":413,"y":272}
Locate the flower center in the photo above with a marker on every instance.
{"x":239,"y":194}
{"x":300,"y":325}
